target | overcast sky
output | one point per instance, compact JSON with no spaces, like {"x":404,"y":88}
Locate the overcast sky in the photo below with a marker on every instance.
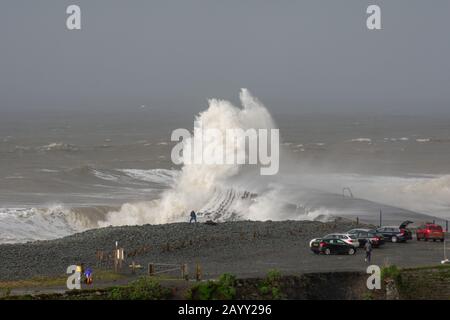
{"x":293,"y":54}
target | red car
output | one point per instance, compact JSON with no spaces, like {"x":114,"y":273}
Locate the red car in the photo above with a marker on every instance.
{"x":430,"y":231}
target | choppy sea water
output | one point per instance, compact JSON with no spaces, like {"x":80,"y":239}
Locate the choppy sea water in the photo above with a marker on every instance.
{"x":62,"y":173}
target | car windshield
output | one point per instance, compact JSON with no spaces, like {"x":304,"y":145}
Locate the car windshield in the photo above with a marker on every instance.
{"x":352,"y":236}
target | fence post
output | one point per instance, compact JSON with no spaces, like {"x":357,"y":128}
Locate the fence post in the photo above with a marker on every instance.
{"x":184,"y":272}
{"x":198,"y":272}
{"x":121,"y":257}
{"x":151,"y":269}
{"x":118,"y":259}
{"x":446,"y":225}
{"x":116,"y":262}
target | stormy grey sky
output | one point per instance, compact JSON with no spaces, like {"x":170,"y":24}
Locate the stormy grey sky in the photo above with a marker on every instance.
{"x":293,"y":55}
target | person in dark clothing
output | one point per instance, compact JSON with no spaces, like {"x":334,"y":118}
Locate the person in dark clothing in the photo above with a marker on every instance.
{"x":368,"y":248}
{"x":193,"y":217}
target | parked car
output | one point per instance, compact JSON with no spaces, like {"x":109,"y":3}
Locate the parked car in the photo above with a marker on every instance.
{"x":347,"y":238}
{"x":374,"y":231}
{"x":393,"y":234}
{"x":363,"y":236}
{"x":408,"y":233}
{"x":332,"y":246}
{"x":355,"y":231}
{"x":430,"y":231}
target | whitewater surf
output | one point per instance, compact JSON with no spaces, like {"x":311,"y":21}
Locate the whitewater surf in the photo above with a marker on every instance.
{"x":100,"y":196}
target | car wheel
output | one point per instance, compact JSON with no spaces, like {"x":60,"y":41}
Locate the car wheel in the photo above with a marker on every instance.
{"x":394,"y":239}
{"x":418,"y":239}
{"x":442,"y":240}
{"x":351,"y":251}
{"x":327,"y":251}
{"x":426,"y":239}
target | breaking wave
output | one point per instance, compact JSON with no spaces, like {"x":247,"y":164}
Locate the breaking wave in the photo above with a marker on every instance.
{"x":30,"y":224}
{"x":223,"y":192}
{"x":196,"y":184}
{"x":361,"y":140}
{"x":151,"y":177}
{"x":230,"y":192}
{"x":58,"y":146}
{"x":160,"y":176}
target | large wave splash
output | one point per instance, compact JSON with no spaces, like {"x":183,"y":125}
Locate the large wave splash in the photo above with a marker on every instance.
{"x":197,"y":183}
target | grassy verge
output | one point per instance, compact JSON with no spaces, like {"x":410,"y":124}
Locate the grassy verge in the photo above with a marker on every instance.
{"x":222,"y":289}
{"x":227,"y":287}
{"x":99,"y":275}
{"x":270,"y":287}
{"x":144,"y":288}
{"x":428,"y":282}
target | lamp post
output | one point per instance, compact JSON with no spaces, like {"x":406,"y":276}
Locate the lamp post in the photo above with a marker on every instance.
{"x":381,"y":218}
{"x":445,"y":261}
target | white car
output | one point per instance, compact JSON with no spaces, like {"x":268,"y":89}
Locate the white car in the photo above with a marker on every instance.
{"x":347,"y":238}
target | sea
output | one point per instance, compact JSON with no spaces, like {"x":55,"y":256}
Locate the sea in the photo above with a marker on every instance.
{"x":66,"y":171}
